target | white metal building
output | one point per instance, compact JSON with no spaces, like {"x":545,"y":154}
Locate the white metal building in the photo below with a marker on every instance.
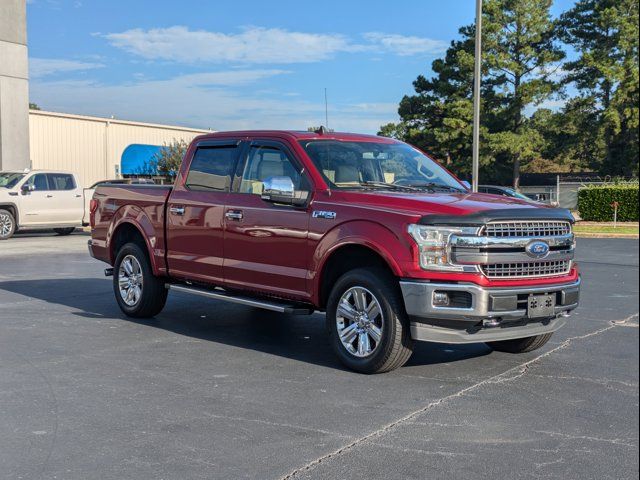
{"x":93,"y":147}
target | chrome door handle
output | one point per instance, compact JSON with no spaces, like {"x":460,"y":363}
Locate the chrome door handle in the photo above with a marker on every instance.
{"x":234,"y":215}
{"x":49,"y":196}
{"x":177,"y":210}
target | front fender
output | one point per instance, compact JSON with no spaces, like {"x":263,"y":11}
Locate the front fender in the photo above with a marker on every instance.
{"x":394,"y":250}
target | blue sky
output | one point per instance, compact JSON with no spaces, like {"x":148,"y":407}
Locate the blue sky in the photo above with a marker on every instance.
{"x":238,"y":64}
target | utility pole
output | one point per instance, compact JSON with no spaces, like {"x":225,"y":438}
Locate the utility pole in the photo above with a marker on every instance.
{"x":476,"y":97}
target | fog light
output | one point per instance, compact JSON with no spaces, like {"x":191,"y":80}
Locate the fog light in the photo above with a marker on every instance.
{"x":441,"y":299}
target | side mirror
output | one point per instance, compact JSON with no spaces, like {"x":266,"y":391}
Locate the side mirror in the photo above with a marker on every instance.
{"x":281,"y":190}
{"x":26,"y":188}
{"x":466,"y":184}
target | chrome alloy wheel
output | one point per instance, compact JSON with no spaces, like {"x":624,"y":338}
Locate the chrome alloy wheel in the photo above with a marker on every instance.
{"x":130,"y":280}
{"x":359,"y":321}
{"x":6,"y":224}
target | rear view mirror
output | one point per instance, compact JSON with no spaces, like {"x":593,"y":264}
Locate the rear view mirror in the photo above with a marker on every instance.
{"x":281,"y":190}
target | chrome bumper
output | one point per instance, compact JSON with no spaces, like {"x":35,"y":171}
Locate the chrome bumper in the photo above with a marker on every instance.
{"x":492,"y":314}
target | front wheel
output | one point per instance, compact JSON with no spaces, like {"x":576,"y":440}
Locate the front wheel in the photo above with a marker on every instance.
{"x":368,"y":326}
{"x":64,"y":231}
{"x":138,"y":291}
{"x":521,"y":345}
{"x":7,"y":224}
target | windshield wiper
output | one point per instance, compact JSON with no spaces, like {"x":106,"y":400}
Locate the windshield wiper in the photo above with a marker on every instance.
{"x":391,"y":186}
{"x":433,"y":186}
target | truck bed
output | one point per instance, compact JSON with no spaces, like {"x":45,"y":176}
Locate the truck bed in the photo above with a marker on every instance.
{"x":141,"y":205}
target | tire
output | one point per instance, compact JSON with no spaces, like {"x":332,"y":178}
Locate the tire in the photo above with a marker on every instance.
{"x":521,"y":345}
{"x":148,"y":293}
{"x":381,"y":294}
{"x":64,"y":231}
{"x":7,"y":224}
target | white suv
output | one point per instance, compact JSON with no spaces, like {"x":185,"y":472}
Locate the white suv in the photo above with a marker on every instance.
{"x":41,"y":200}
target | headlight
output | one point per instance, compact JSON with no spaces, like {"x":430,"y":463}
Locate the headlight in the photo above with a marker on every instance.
{"x":434,"y":246}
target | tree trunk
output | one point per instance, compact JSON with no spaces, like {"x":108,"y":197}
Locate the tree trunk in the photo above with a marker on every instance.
{"x":516,"y":172}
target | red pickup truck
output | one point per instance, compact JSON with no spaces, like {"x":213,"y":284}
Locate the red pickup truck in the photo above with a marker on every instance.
{"x":367,"y":229}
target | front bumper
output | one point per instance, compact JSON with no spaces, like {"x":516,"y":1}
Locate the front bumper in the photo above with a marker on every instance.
{"x":482,"y":314}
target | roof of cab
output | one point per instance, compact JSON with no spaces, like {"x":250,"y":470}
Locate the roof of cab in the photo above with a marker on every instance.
{"x":299,"y":135}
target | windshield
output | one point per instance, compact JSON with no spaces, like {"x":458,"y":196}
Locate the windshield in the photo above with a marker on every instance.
{"x":515,"y":194}
{"x":10,"y":179}
{"x":368,"y":165}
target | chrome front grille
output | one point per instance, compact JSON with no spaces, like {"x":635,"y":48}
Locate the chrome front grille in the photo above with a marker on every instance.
{"x":527,"y":269}
{"x":526,"y":229}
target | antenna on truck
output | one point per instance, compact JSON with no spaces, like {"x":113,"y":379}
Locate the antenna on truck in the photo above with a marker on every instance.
{"x":326,"y":109}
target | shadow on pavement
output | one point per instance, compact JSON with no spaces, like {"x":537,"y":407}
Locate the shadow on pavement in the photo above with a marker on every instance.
{"x":302,"y":338}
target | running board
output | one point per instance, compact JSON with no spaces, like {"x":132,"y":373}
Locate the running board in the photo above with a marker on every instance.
{"x":252,"y":302}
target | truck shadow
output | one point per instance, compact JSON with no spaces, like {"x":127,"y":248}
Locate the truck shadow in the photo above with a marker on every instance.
{"x":301,"y":338}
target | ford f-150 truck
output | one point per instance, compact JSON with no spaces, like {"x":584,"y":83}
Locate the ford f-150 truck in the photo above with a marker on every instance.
{"x":367,"y":229}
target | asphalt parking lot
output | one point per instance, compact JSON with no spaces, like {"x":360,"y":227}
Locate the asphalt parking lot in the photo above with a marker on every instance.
{"x":210,"y":390}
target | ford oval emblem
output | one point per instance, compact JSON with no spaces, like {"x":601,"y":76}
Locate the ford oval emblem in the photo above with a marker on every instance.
{"x":538,"y":249}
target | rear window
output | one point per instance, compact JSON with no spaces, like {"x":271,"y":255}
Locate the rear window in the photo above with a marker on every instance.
{"x":61,"y":181}
{"x":211,"y":169}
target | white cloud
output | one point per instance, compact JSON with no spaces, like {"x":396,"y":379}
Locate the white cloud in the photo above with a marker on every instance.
{"x":42,"y":67}
{"x":261,"y":45}
{"x":206,"y":100}
{"x":406,"y":45}
{"x":252,"y":45}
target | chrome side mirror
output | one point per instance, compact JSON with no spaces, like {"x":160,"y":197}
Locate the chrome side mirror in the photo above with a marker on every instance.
{"x":27,"y":188}
{"x":281,"y":190}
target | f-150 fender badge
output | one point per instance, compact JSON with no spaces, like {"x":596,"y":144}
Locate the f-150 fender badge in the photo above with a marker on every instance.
{"x":324,"y":214}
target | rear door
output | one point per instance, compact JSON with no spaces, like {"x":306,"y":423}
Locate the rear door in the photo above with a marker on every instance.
{"x":195,"y":213}
{"x":265,"y":246}
{"x":67,"y":202}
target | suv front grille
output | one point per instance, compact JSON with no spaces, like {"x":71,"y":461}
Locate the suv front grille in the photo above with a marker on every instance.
{"x":527,"y":270}
{"x":526,"y":229}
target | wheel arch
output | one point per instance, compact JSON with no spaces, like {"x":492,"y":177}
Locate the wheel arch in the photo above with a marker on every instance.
{"x":129,"y":231}
{"x":12,"y":208}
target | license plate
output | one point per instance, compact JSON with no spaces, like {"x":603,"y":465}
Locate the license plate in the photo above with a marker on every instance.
{"x":540,"y":306}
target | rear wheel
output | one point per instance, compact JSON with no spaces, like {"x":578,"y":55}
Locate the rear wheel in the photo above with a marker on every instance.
{"x":368,"y":326}
{"x":138,"y":292}
{"x":521,"y":345}
{"x":7,"y":224}
{"x":64,"y":231}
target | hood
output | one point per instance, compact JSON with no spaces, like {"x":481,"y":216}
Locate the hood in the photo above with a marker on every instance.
{"x":454,"y":204}
{"x":7,"y":194}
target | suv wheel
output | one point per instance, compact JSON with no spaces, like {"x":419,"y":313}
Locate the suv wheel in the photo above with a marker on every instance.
{"x":521,"y":345}
{"x":7,"y":224}
{"x":367,"y":324}
{"x":138,"y":292}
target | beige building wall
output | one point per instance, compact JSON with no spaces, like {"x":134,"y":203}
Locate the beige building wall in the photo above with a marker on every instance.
{"x":92,"y":147}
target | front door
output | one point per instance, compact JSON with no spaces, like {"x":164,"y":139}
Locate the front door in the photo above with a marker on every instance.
{"x":195,"y":213}
{"x":265,"y":246}
{"x":36,"y":206}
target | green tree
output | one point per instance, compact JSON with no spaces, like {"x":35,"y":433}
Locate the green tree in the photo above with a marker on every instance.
{"x":168,"y":159}
{"x":605,"y":34}
{"x":522,"y":56}
{"x":33,"y":106}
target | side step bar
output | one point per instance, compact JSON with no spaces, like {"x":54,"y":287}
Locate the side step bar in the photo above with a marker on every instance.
{"x":274,"y":306}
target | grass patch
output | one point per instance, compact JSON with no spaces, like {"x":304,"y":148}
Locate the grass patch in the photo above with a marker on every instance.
{"x":606,"y":228}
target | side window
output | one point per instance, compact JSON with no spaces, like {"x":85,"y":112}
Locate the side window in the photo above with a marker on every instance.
{"x":265,"y":162}
{"x":211,"y":169}
{"x":39,"y":181}
{"x":61,"y":181}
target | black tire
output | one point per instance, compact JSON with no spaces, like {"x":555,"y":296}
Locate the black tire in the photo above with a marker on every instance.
{"x":395,"y":345}
{"x":153,"y":292}
{"x":521,"y":345}
{"x":64,"y":231}
{"x":7,"y":224}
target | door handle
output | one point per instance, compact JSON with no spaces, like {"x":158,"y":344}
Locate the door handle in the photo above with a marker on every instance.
{"x":234,"y":215}
{"x":177,"y":210}
{"x":49,"y":196}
